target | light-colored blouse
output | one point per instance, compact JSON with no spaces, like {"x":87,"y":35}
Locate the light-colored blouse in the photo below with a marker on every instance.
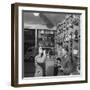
{"x":39,"y":61}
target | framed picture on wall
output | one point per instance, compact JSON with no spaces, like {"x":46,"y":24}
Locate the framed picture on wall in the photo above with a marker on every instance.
{"x":48,"y":44}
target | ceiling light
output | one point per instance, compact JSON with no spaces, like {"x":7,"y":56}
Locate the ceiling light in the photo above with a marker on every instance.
{"x":36,"y":14}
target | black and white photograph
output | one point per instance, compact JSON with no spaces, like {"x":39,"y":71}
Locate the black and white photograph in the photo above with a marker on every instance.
{"x":49,"y":44}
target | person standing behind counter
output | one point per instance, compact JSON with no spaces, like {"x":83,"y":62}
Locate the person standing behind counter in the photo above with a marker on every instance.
{"x":65,"y":62}
{"x":40,"y":63}
{"x":63,"y":65}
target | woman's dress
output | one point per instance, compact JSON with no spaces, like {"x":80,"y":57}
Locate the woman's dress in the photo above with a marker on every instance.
{"x":39,"y":68}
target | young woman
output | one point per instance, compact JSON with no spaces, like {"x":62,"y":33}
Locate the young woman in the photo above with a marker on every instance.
{"x":40,"y":63}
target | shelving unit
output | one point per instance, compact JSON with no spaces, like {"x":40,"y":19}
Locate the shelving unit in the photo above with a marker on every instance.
{"x":45,"y":39}
{"x":68,"y":36}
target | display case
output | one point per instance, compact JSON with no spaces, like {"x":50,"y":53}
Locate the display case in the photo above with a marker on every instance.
{"x":46,"y":39}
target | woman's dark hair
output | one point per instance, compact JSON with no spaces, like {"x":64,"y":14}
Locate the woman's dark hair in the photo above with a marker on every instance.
{"x":41,"y":54}
{"x":36,"y":51}
{"x":59,"y":59}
